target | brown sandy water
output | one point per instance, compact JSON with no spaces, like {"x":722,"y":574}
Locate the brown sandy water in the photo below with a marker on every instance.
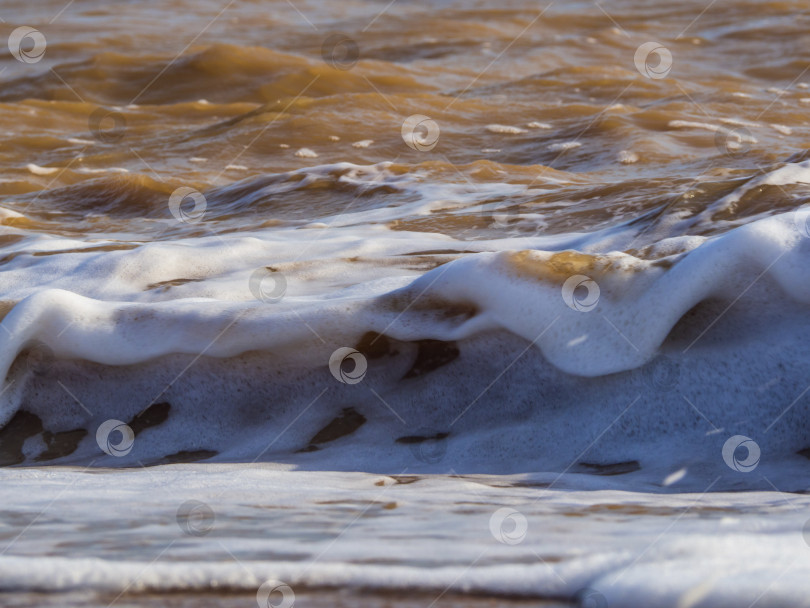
{"x":205,"y":93}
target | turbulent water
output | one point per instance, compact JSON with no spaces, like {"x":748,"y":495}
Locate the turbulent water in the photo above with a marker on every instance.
{"x":443,"y":298}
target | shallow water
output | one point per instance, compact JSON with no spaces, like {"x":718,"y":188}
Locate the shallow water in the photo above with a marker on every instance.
{"x":412,"y":540}
{"x":561,"y":247}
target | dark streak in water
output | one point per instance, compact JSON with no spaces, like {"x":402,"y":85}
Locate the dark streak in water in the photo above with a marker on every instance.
{"x":432,"y":355}
{"x":172,"y":283}
{"x":61,"y":444}
{"x":374,"y":345}
{"x":414,"y":439}
{"x":12,"y":437}
{"x":346,"y":423}
{"x":615,"y":468}
{"x":184,"y":456}
{"x":154,"y":415}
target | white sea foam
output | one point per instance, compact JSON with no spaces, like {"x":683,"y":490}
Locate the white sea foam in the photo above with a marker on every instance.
{"x":559,"y":358}
{"x":99,"y":171}
{"x":37,"y":170}
{"x":127,"y":336}
{"x":505,"y":129}
{"x":564,"y":145}
{"x":569,"y":546}
{"x":691,"y":124}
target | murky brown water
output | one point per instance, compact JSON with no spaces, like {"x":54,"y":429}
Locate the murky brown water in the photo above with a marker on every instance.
{"x":131,"y":101}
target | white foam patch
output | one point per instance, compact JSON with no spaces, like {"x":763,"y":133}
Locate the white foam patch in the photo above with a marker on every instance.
{"x":99,"y":171}
{"x":315,"y":529}
{"x":690,"y":124}
{"x":505,"y":129}
{"x":783,"y":129}
{"x":560,"y":336}
{"x":123,"y":324}
{"x":37,"y":170}
{"x":565,"y":145}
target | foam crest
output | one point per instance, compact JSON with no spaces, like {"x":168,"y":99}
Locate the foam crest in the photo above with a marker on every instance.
{"x":589,"y":314}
